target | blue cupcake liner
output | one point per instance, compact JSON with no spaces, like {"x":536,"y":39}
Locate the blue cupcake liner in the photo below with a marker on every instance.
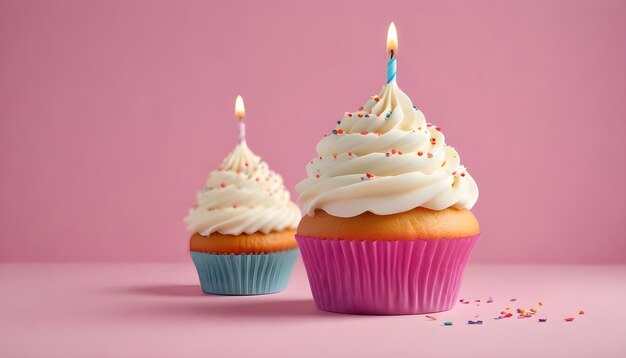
{"x":244,"y":274}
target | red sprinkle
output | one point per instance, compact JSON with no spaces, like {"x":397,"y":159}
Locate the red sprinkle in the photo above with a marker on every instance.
{"x":433,"y":140}
{"x":376,"y":99}
{"x":340,"y":131}
{"x":420,"y":153}
{"x":369,"y":175}
{"x":363,"y":133}
{"x":349,"y":114}
{"x":508,"y":315}
{"x":399,"y":153}
{"x":349,"y":154}
{"x":569,"y":319}
{"x":393,"y":151}
{"x":360,"y":115}
{"x":462,"y":174}
{"x":317,"y":176}
{"x":234,"y":206}
{"x":223,"y":185}
{"x":581,"y":312}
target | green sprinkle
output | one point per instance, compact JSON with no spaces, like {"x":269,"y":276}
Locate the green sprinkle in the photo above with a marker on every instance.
{"x":447,"y":323}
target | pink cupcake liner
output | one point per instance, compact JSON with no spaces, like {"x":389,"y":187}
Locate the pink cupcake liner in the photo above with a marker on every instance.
{"x":385,"y":277}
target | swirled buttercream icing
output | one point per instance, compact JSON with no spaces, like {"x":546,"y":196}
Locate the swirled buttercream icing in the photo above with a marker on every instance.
{"x":243,"y":196}
{"x":385,"y":159}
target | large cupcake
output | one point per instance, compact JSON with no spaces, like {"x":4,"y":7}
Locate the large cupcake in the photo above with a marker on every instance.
{"x":387,"y":228}
{"x":243,"y":228}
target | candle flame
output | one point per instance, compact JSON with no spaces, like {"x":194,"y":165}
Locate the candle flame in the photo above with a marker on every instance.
{"x":240,"y":109}
{"x":392,"y":39}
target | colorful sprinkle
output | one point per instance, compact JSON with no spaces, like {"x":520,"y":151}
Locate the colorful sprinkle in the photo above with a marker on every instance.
{"x":360,"y":115}
{"x":317,"y":176}
{"x":364,"y":133}
{"x":432,"y":318}
{"x":340,"y":131}
{"x":222,"y":185}
{"x":543,"y":319}
{"x":369,"y":175}
{"x":376,"y":99}
{"x":540,"y":303}
{"x":479,"y":322}
{"x":433,"y":140}
{"x":349,"y":154}
{"x":420,"y":153}
{"x":581,"y":312}
{"x":349,"y":114}
{"x":334,"y":131}
{"x":471,"y":322}
{"x":569,"y":319}
{"x":447,"y":323}
{"x":513,"y":299}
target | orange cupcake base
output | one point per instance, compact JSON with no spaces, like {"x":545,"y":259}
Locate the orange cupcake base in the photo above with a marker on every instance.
{"x":410,"y":225}
{"x":255,"y":243}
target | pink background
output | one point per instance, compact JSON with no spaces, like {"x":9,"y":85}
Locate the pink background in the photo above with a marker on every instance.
{"x":112,"y":113}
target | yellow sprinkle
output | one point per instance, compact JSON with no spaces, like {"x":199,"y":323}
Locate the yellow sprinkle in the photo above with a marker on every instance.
{"x":533,"y":310}
{"x":507,"y":308}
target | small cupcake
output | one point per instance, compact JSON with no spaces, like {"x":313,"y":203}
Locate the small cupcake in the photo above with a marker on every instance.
{"x":243,"y":226}
{"x":387,"y":227}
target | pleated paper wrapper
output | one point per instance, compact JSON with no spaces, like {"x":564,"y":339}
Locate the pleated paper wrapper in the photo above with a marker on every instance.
{"x":244,"y":274}
{"x":385,"y":277}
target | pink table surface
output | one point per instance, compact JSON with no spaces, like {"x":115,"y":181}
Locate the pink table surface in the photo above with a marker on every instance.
{"x":157,"y":310}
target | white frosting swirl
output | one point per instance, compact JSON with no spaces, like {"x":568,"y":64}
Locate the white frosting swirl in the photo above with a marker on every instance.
{"x":243,"y":196}
{"x":385,"y":159}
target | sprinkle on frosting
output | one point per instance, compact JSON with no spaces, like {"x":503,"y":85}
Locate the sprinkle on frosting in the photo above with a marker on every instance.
{"x":402,"y":182}
{"x":234,"y":200}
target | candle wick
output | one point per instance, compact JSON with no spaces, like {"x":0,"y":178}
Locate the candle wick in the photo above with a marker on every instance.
{"x":391,"y":52}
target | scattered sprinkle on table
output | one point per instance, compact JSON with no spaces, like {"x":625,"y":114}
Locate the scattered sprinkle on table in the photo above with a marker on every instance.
{"x":543,"y":319}
{"x":569,"y":319}
{"x":447,"y":323}
{"x":581,"y":312}
{"x":432,"y":318}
